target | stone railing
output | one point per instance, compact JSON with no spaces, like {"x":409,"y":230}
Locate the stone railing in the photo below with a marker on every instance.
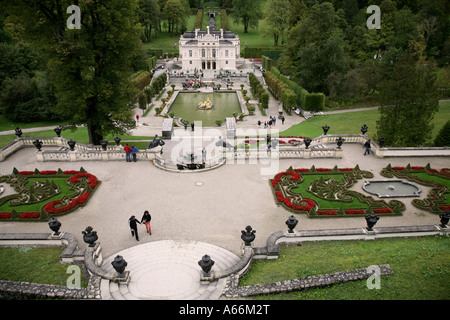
{"x":169,"y":165}
{"x":96,"y":155}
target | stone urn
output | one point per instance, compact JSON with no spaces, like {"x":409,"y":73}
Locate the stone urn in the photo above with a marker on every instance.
{"x":291,"y":223}
{"x":339,"y":142}
{"x":57,"y":131}
{"x":90,"y":236}
{"x":364,"y":129}
{"x":54,"y":225}
{"x":117,"y":140}
{"x":248,"y":235}
{"x":325,"y":129}
{"x":382,"y":141}
{"x":18,"y":132}
{"x":206,"y":264}
{"x":71,"y":144}
{"x":371,"y":220}
{"x":104,"y":144}
{"x":37,"y":144}
{"x":119,"y":264}
{"x":445,"y":217}
{"x":307,"y":142}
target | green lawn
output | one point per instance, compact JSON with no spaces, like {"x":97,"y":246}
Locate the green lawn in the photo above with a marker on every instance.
{"x":323,"y":203}
{"x":351,"y":122}
{"x":79,"y":135}
{"x":37,"y":265}
{"x":421,"y":268}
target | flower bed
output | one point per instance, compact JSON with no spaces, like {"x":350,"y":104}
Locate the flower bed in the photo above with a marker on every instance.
{"x":82,"y":185}
{"x":308,"y":202}
{"x":438,"y":180}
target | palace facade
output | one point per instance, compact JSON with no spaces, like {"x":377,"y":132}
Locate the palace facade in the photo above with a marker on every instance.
{"x":210,"y":49}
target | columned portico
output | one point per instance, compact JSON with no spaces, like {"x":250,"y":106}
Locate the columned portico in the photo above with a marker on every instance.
{"x":210,"y":49}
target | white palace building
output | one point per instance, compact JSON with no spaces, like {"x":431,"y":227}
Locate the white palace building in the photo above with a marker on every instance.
{"x":210,"y":49}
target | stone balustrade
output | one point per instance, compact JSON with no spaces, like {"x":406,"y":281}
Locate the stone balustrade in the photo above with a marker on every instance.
{"x":323,"y":146}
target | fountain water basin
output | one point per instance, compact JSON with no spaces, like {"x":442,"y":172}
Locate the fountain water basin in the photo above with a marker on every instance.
{"x":391,"y":188}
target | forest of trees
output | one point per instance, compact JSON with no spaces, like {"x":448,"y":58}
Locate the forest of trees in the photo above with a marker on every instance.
{"x":48,"y":71}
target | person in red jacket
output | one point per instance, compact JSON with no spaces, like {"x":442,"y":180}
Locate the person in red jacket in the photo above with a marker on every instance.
{"x":127,"y":152}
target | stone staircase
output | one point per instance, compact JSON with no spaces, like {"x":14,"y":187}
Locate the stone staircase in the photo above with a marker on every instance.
{"x":168,"y":270}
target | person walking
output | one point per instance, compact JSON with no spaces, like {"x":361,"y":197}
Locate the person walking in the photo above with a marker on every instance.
{"x":137,"y":118}
{"x":204,"y":155}
{"x":367,"y":146}
{"x":127,"y":153}
{"x":132,"y":223}
{"x":134,"y":150}
{"x":185,"y":125}
{"x":146,"y":218}
{"x":282,"y":120}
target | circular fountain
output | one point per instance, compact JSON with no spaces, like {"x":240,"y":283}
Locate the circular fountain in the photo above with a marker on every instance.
{"x":391,"y":188}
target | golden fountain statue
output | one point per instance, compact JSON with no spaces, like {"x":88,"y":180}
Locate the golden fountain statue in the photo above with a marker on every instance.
{"x":205,"y":105}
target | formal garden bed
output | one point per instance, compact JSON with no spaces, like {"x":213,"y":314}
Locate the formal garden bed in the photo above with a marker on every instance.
{"x":438,"y":198}
{"x":44,"y":194}
{"x":324,"y":192}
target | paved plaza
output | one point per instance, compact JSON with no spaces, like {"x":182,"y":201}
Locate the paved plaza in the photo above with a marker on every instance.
{"x":208,"y":208}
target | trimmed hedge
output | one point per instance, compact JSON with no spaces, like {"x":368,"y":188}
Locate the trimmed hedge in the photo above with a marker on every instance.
{"x":258,"y":90}
{"x":142,"y":80}
{"x":314,"y":101}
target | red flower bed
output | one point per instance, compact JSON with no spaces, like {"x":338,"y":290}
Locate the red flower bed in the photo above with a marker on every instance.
{"x":30,"y":215}
{"x":309,"y":206}
{"x":345,"y":169}
{"x":417,"y":168}
{"x":48,"y":172}
{"x":5,"y":215}
{"x":323,"y":169}
{"x":444,"y":208}
{"x":398,"y":168}
{"x":301,"y":170}
{"x":354,"y":211}
{"x":327,"y":212}
{"x":92,"y":179}
{"x":384,"y":210}
{"x":50,"y":207}
{"x":26,"y":173}
{"x":71,"y":172}
{"x":295,"y":176}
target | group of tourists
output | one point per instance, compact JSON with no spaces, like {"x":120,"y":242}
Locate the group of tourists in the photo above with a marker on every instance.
{"x":130,"y":151}
{"x":271,"y":122}
{"x":133,"y":222}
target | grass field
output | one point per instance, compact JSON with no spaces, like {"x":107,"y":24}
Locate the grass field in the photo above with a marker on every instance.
{"x":256,"y":37}
{"x":351,"y":122}
{"x":37,"y":265}
{"x":421,"y":269}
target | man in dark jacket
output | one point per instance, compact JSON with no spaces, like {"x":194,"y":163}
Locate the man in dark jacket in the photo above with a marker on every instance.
{"x":367,"y":146}
{"x":132,"y":222}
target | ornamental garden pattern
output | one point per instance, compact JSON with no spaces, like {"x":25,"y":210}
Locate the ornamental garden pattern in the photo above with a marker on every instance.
{"x":41,"y":195}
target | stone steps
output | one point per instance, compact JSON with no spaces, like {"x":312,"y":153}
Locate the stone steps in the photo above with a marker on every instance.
{"x":168,"y":270}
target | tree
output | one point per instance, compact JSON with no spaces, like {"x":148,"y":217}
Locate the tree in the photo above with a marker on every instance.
{"x":175,"y":12}
{"x":247,"y":12}
{"x":443,"y":137}
{"x":277,"y":18}
{"x":149,"y":16}
{"x":315,"y":49}
{"x":409,"y":100}
{"x":90,"y":66}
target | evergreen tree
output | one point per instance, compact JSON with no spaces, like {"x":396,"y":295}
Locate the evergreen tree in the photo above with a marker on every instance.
{"x":409,"y":100}
{"x":443,"y":137}
{"x":90,"y":66}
